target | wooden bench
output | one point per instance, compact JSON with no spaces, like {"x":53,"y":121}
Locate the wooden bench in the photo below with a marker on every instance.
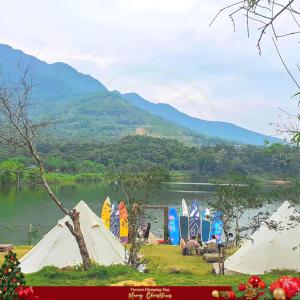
{"x":211,"y":257}
{"x":6,"y":247}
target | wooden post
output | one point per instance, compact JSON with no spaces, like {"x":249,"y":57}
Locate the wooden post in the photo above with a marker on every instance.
{"x":166,"y":223}
{"x":30,"y":234}
{"x":18,"y":184}
{"x":166,"y":218}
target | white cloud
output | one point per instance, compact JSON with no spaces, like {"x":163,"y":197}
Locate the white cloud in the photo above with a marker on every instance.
{"x":162,"y":49}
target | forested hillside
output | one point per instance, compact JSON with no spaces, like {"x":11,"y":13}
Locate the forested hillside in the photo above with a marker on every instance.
{"x":82,"y":108}
{"x":105,"y":116}
{"x":224,"y":130}
{"x":207,"y":163}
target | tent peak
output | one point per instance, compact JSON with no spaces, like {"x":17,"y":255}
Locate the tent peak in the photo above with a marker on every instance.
{"x":286,"y":204}
{"x":81,"y":204}
{"x":284,"y":212}
{"x":268,"y":248}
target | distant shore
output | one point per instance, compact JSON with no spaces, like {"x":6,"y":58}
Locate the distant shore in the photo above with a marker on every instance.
{"x":177,"y":177}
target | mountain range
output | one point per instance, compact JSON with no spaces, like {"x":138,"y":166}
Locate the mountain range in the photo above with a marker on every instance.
{"x":84,"y":108}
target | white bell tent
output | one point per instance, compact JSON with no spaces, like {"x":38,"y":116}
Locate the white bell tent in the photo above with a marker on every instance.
{"x":270,"y":249}
{"x":59,"y":248}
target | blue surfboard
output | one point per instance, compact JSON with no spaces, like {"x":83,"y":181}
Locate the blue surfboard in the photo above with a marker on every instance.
{"x":194,"y":221}
{"x":173,"y":226}
{"x":205,"y":226}
{"x":217,"y":226}
{"x":115,"y":220}
{"x":184,"y":227}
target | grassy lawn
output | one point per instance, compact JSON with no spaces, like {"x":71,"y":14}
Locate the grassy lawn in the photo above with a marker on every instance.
{"x":166,"y":266}
{"x":19,"y":250}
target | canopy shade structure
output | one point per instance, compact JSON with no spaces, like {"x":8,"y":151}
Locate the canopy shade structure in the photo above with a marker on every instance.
{"x":269,"y":249}
{"x":59,"y":247}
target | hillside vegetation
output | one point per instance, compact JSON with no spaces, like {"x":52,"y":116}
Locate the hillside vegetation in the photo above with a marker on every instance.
{"x":106,"y":116}
{"x":82,"y":107}
{"x":224,"y":130}
{"x":91,"y":161}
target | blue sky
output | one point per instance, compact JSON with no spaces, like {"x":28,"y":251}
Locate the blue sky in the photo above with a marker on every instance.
{"x":164,"y":50}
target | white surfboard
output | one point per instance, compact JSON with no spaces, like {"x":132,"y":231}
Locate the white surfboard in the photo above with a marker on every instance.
{"x":207,"y":214}
{"x":185,"y":211}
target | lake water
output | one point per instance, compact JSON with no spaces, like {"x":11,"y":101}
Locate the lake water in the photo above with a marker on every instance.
{"x":31,"y":205}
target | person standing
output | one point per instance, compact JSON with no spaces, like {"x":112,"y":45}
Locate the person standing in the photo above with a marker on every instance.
{"x":147,"y":232}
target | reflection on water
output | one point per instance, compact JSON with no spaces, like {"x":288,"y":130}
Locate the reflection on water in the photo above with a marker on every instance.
{"x":191,"y":192}
{"x":31,"y":205}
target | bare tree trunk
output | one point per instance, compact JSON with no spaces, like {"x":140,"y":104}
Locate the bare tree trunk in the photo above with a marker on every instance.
{"x":19,"y":131}
{"x":223,"y":260}
{"x":133,"y":232}
{"x":236,"y":233}
{"x":223,"y":251}
{"x":219,"y":260}
{"x":73,"y":214}
{"x":134,"y":238}
{"x":76,"y":231}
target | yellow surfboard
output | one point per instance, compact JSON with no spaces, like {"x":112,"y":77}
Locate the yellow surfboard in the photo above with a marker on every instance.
{"x":105,"y":213}
{"x":123,"y":222}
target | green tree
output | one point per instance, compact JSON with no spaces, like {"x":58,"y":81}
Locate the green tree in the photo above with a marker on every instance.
{"x":138,"y":187}
{"x":89,"y":166}
{"x":289,"y":191}
{"x":234,"y":198}
{"x":56,"y":164}
{"x":11,"y":170}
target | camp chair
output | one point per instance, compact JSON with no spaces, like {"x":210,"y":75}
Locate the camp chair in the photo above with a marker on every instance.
{"x":211,"y":248}
{"x":182,"y":245}
{"x":230,"y":244}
